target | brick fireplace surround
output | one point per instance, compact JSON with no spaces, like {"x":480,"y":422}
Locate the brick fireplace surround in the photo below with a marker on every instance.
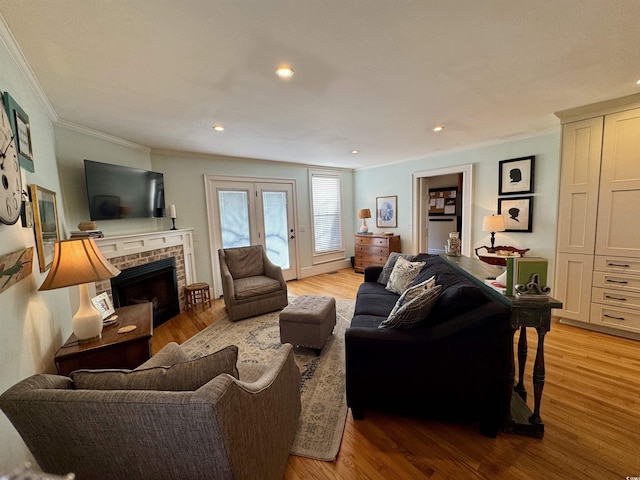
{"x":126,"y":251}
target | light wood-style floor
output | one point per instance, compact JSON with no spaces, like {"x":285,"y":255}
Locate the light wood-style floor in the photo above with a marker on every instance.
{"x":590,"y":406}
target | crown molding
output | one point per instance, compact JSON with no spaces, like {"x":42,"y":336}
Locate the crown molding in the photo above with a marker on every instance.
{"x":15,"y":51}
{"x":100,"y":135}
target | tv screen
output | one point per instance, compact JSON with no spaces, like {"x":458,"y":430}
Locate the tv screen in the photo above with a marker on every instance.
{"x":116,"y":192}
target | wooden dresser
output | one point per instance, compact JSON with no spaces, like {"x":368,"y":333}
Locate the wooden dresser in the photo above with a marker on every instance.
{"x":374,"y":249}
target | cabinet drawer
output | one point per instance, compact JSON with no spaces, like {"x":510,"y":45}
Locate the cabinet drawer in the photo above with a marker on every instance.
{"x":606,"y":263}
{"x":618,"y":281}
{"x":372,"y":250}
{"x":617,"y":298}
{"x":615,"y":317}
{"x":372,"y":259}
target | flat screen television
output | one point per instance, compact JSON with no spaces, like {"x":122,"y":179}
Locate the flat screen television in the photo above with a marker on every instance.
{"x":116,"y":192}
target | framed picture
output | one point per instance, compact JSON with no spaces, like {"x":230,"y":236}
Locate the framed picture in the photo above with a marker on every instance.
{"x":517,"y":213}
{"x":45,"y":216}
{"x":103,"y":304}
{"x":387,"y":211}
{"x":26,"y":214}
{"x":516,"y":176}
{"x":22,"y":131}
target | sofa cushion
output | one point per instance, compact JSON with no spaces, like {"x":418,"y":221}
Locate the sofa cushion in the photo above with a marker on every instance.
{"x":244,"y":262}
{"x":412,"y":313}
{"x":250,"y":287}
{"x":383,"y":278}
{"x":183,"y":376}
{"x":168,"y":355}
{"x":404,"y":272}
{"x":455,"y":300}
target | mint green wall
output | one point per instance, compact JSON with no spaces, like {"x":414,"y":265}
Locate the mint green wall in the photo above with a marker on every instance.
{"x":396,"y":179}
{"x":185,"y":187}
{"x":33,"y":324}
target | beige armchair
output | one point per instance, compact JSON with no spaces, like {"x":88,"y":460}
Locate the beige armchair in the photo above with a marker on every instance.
{"x":251,"y":283}
{"x":226,"y":429}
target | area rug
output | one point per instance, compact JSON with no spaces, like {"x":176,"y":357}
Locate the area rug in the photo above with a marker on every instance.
{"x":324,"y":404}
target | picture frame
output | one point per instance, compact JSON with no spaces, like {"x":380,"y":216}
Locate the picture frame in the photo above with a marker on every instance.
{"x":26,"y":214}
{"x":516,"y":175}
{"x":387,"y":211}
{"x":46,"y":228}
{"x":22,"y":132}
{"x":103,"y":304}
{"x":517,"y":213}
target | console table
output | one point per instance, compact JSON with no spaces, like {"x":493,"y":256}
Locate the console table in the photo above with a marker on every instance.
{"x":524,"y":313}
{"x":113,"y":350}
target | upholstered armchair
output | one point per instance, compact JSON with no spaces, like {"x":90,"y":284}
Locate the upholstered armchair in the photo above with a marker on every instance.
{"x":228,"y":428}
{"x":251,"y":283}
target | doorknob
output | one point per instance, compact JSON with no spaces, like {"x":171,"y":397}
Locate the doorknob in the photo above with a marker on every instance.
{"x":292,"y":237}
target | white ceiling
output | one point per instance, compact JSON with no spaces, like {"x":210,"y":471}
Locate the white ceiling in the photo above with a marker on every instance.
{"x":372,"y":75}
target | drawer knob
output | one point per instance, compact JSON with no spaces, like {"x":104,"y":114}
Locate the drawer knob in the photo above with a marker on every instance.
{"x":615,"y":318}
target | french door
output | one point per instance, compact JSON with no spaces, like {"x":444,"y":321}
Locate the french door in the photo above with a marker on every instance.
{"x":255,"y":212}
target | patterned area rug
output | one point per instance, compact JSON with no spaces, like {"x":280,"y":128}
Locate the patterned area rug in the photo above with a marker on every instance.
{"x":324,"y":404}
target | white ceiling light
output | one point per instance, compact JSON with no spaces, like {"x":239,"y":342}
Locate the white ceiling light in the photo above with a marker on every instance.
{"x":284,"y":71}
{"x":638,"y":82}
{"x":354,"y":151}
{"x":438,"y":128}
{"x":218,"y":128}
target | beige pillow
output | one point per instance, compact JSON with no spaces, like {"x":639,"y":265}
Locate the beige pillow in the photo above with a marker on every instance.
{"x":404,"y":272}
{"x":183,"y":376}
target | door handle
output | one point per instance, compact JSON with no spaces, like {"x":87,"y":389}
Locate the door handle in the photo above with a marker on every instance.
{"x":292,"y":237}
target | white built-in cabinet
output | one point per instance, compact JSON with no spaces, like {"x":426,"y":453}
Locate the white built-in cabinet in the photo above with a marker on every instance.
{"x":598,"y":245}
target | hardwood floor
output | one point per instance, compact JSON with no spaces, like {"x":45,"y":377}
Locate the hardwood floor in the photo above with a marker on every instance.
{"x":590,"y":406}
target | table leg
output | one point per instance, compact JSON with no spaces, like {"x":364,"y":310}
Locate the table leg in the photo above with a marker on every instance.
{"x":538,"y":376}
{"x":512,"y":374}
{"x":522,"y":360}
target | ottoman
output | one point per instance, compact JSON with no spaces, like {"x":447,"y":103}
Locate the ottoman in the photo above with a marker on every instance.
{"x":308,"y":321}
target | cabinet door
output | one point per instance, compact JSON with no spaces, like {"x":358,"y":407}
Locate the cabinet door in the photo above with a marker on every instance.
{"x":573,"y":285}
{"x":618,"y":218}
{"x":579,"y":182}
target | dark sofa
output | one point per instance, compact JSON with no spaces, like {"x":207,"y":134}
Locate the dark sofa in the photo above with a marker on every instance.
{"x":453,"y":366}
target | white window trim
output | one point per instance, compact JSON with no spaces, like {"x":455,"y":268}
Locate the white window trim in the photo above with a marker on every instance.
{"x":319,"y":258}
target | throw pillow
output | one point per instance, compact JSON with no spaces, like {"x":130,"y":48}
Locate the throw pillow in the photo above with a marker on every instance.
{"x":383,"y":278}
{"x":402,"y":275}
{"x":414,"y":291}
{"x":414,"y":312}
{"x":183,"y":376}
{"x":168,"y":355}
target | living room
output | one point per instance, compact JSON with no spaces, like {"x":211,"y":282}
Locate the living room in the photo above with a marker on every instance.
{"x":36,"y":323}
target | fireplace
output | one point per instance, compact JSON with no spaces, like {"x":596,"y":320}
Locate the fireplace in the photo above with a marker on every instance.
{"x":154,"y":282}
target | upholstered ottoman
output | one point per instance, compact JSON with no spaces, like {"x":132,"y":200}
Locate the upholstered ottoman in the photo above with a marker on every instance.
{"x":308,"y":321}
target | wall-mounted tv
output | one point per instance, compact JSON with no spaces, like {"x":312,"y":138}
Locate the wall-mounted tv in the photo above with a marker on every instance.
{"x":116,"y":192}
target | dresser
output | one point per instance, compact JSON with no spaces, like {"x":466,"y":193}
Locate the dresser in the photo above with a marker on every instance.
{"x":598,"y":246}
{"x":374,"y":249}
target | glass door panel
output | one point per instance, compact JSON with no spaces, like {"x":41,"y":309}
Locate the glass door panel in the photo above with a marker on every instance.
{"x":234,"y":218}
{"x":276,"y":229}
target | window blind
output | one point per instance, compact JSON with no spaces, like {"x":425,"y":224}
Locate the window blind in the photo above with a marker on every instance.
{"x":327,"y":213}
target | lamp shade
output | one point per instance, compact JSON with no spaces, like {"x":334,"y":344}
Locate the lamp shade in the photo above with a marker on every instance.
{"x":364,"y":213}
{"x":75,"y":262}
{"x":493,"y":223}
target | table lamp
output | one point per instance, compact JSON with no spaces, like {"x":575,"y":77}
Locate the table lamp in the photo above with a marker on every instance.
{"x":364,"y":213}
{"x":493,"y":224}
{"x":78,"y":262}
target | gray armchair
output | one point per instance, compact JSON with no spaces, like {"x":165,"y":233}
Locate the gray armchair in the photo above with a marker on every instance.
{"x":251,"y":283}
{"x":226,"y":429}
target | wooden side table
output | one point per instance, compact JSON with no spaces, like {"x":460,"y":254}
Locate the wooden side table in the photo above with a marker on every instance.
{"x":113,"y":350}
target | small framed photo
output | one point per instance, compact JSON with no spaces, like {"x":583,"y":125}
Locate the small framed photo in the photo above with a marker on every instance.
{"x":387,"y":211}
{"x":516,"y":175}
{"x":22,"y":131}
{"x":103,"y":304}
{"x":26,"y":214}
{"x":47,"y":230}
{"x":517,"y":213}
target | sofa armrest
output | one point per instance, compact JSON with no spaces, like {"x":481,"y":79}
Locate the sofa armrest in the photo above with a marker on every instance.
{"x":372,"y":272}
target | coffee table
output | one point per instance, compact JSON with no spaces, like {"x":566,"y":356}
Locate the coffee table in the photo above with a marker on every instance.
{"x":113,"y":350}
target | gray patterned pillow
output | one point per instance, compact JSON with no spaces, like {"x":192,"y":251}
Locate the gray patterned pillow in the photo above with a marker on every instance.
{"x":402,"y":275}
{"x":383,"y":278}
{"x":183,"y":376}
{"x":414,"y":291}
{"x":414,"y":312}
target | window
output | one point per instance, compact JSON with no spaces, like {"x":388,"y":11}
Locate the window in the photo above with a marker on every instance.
{"x":326,"y":205}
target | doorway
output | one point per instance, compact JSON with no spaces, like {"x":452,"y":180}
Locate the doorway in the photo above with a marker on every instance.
{"x":253,"y":211}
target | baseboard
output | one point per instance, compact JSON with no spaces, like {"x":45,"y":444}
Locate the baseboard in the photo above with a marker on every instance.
{"x":600,"y":329}
{"x":325,"y":268}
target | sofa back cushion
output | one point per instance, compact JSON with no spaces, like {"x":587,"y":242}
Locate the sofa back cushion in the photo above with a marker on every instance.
{"x":244,"y":261}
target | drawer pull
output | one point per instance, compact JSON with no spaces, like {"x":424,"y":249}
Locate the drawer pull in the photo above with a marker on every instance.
{"x":623,"y":282}
{"x":615,"y":298}
{"x":615,"y":318}
{"x":609,"y":264}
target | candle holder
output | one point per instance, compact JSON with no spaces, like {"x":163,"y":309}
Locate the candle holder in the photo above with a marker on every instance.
{"x":173,"y":221}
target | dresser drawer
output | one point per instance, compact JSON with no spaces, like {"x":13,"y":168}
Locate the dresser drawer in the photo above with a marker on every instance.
{"x":605,"y":263}
{"x":615,"y":317}
{"x":618,"y":281}
{"x":374,"y":241}
{"x":372,"y":250}
{"x":372,"y":259}
{"x":617,"y":298}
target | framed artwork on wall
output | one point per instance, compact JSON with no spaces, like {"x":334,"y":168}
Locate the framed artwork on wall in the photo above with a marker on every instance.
{"x":387,"y":211}
{"x":517,"y":213}
{"x":516,"y":175}
{"x":22,"y":132}
{"x":45,"y":216}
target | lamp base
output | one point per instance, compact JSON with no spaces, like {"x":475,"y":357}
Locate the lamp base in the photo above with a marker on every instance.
{"x":173,"y":221}
{"x":89,"y":340}
{"x":87,"y":321}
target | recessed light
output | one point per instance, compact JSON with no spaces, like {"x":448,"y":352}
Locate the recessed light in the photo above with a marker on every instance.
{"x":284,"y":71}
{"x":355,"y":152}
{"x":438,"y":128}
{"x":218,"y":128}
{"x":638,"y":82}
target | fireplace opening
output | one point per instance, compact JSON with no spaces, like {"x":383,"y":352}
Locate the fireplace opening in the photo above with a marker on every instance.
{"x":154,"y":282}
